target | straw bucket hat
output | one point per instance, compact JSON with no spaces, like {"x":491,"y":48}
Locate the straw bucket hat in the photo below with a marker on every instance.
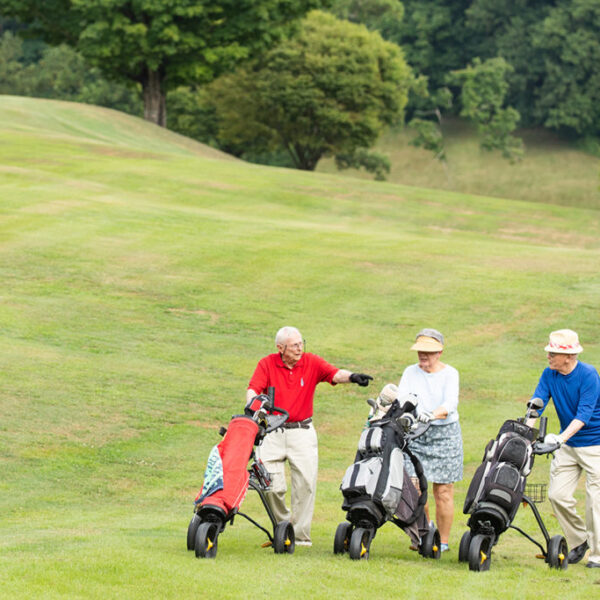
{"x":428,"y":340}
{"x":564,"y":341}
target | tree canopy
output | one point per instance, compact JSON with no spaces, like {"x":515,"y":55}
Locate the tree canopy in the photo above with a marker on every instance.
{"x":553,"y":48}
{"x":159,"y":44}
{"x":327,"y":91}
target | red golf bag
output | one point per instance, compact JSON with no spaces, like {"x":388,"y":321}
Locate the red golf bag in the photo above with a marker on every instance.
{"x":226,"y":478}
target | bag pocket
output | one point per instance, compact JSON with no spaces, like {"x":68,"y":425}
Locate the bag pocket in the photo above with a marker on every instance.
{"x":361,"y":478}
{"x":371,"y":440}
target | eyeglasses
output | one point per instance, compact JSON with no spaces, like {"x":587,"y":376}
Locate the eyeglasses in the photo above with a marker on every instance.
{"x":553,"y":354}
{"x":297,"y":345}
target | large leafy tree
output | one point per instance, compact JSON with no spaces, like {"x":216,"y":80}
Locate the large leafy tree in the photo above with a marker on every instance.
{"x":329,"y":91}
{"x":161,"y":44}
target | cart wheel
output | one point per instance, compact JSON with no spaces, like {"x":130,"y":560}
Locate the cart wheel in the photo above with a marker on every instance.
{"x":206,"y":540}
{"x":360,"y":543}
{"x":191,"y":533}
{"x":558,"y":553}
{"x":430,"y":544}
{"x":284,"y":539}
{"x":341,"y":542}
{"x":480,"y":553}
{"x":463,"y":548}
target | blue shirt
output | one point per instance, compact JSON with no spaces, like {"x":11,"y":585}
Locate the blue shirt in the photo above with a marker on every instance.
{"x":575,"y":396}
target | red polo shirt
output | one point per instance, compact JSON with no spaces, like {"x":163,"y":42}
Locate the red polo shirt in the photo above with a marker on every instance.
{"x":294,"y":388}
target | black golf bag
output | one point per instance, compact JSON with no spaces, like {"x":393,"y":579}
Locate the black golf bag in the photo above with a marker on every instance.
{"x":377,"y":487}
{"x":497,"y":487}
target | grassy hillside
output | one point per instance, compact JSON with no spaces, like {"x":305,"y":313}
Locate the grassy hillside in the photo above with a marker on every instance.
{"x":143,"y":277}
{"x":553,"y":170}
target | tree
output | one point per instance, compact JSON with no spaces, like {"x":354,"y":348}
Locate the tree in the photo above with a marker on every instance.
{"x":508,"y":29}
{"x":328,"y":91}
{"x":427,"y":121}
{"x":10,"y":65}
{"x":192,"y":113}
{"x":435,"y":38}
{"x":484,"y":88}
{"x":555,"y":51}
{"x":161,"y":45}
{"x":376,"y":15}
{"x":568,"y":42}
{"x":61,"y":73}
{"x":552,"y":45}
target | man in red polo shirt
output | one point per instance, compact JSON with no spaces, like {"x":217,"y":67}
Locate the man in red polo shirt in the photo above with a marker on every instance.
{"x":294,"y":374}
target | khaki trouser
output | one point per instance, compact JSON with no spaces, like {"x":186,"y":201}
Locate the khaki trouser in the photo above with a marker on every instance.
{"x":299,"y":448}
{"x":565,"y":470}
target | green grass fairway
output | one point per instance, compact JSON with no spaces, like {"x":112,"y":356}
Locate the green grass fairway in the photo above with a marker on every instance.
{"x":144,"y":275}
{"x":553,"y":171}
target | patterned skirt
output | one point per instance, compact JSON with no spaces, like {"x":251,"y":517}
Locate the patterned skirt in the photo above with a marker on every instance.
{"x":440,"y":451}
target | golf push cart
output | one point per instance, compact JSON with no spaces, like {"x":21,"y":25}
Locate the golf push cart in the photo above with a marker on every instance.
{"x":377,"y":488}
{"x":227,"y":479}
{"x":498,"y":488}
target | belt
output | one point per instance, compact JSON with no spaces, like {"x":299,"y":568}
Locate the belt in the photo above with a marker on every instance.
{"x":297,"y":424}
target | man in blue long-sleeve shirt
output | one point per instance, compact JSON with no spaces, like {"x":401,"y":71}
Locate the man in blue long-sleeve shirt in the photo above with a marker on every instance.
{"x":575,"y":390}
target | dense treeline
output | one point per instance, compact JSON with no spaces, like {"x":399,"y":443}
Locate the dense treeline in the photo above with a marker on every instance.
{"x":192,"y":63}
{"x":553,"y":47}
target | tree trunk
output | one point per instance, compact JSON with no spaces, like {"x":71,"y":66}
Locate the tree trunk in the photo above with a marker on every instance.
{"x":155,"y":108}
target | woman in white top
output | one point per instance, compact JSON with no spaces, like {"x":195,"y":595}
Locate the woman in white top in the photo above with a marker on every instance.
{"x":439,"y":449}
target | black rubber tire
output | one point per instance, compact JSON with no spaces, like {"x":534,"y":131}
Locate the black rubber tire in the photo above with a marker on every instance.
{"x":558,"y":553}
{"x":341,"y":542}
{"x":463,"y":548}
{"x":191,"y":532}
{"x":431,"y":546}
{"x":207,"y":538}
{"x":284,"y":539}
{"x":360,"y":543}
{"x":480,"y":553}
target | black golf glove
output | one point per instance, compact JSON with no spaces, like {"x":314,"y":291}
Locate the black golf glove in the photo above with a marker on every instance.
{"x":360,"y":379}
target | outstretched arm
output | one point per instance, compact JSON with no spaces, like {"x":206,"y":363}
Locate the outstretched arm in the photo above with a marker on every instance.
{"x":342,"y":376}
{"x":345,"y":376}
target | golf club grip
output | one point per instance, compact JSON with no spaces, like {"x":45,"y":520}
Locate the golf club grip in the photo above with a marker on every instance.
{"x":543,"y":427}
{"x":271,"y":394}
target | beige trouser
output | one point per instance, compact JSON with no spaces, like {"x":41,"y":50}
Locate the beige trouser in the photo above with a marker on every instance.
{"x":299,"y":448}
{"x":565,"y":470}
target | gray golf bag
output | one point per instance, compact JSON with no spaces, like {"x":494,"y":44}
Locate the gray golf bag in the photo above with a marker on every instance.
{"x":377,"y":488}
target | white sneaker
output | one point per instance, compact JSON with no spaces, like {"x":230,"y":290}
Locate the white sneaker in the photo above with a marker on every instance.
{"x":303,"y":543}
